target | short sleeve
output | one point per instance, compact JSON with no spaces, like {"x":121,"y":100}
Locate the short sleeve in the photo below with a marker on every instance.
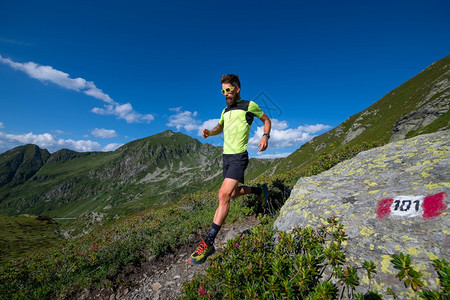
{"x":221,"y":121}
{"x":255,"y":109}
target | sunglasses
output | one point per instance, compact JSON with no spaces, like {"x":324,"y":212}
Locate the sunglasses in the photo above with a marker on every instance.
{"x":227,"y":90}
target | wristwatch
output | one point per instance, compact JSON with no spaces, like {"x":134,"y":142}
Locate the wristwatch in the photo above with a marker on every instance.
{"x":267,"y":135}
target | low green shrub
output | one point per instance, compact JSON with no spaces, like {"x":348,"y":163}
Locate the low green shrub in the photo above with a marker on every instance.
{"x":412,"y":277}
{"x":304,"y":264}
{"x":269,"y":264}
{"x":96,"y":257}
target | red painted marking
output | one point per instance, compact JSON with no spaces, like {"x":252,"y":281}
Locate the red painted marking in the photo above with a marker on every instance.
{"x":434,"y":205}
{"x":384,"y":208}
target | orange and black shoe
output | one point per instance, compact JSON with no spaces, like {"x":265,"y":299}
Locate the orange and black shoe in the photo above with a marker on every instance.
{"x":201,"y":254}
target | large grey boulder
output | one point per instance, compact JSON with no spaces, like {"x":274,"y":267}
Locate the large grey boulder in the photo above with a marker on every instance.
{"x":390,"y":199}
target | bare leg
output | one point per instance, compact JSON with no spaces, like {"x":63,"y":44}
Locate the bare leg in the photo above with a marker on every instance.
{"x":228,"y":189}
{"x":245,"y":190}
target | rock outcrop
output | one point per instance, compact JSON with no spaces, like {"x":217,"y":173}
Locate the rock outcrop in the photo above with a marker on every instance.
{"x":426,"y":111}
{"x":390,"y":199}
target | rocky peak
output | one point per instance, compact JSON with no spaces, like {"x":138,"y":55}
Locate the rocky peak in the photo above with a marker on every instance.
{"x":21,"y":163}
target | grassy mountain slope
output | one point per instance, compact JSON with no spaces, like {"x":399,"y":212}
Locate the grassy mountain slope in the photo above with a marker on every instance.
{"x":25,"y":234}
{"x":420,"y":105}
{"x":21,"y":163}
{"x":145,"y":171}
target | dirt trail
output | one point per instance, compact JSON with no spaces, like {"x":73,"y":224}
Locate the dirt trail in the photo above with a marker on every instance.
{"x":163,"y":278}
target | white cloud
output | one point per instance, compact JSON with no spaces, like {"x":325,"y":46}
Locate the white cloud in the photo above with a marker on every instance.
{"x":1,"y":125}
{"x":176,"y":109}
{"x":274,"y":155}
{"x":49,"y":74}
{"x":57,"y":131}
{"x":210,"y":124}
{"x":184,"y":119}
{"x":125,"y":112}
{"x":112,"y":147}
{"x":46,"y":141}
{"x":188,"y":121}
{"x":104,"y":133}
{"x":98,"y":93}
{"x":281,"y":136}
{"x":14,"y":42}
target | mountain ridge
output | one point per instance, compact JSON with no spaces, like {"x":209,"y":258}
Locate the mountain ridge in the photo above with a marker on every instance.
{"x":66,"y":176}
{"x":19,"y":164}
{"x":420,"y":105}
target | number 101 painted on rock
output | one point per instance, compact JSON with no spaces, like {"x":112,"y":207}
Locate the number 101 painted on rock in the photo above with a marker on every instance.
{"x":412,"y":206}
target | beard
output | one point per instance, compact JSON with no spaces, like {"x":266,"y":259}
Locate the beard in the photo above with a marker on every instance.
{"x":231,"y":99}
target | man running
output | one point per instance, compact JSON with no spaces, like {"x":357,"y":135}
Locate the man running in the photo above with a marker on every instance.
{"x":235,"y":122}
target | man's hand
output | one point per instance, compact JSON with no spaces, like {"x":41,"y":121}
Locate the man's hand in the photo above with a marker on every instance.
{"x":217,"y":130}
{"x":265,"y":139}
{"x":206,"y":133}
{"x":263,"y":143}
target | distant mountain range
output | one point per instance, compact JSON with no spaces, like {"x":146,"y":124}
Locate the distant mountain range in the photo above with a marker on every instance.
{"x":66,"y":183}
{"x":165,"y":166}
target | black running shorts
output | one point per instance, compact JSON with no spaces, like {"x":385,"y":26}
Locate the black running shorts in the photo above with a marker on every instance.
{"x":234,"y":166}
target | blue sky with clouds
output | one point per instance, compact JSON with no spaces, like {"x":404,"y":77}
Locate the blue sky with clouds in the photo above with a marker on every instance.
{"x":93,"y":75}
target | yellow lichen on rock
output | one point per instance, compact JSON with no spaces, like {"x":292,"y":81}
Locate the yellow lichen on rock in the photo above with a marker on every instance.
{"x":406,"y":238}
{"x":414,"y":251}
{"x":385,"y":263}
{"x":366,"y":231}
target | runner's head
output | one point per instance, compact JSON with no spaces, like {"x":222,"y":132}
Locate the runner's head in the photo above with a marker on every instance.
{"x":231,"y":87}
{"x":231,"y":79}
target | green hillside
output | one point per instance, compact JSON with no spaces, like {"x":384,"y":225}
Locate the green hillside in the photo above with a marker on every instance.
{"x":420,"y":105}
{"x":21,"y":235}
{"x":69,"y":184}
{"x":146,"y":171}
{"x":20,"y":164}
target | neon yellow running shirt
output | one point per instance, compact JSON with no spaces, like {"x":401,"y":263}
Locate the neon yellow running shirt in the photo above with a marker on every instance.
{"x":237,"y":120}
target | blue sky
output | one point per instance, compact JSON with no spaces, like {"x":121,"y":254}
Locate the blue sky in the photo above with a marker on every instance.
{"x":93,"y":75}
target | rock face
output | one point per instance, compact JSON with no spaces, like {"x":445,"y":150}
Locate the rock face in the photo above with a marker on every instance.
{"x":426,"y":111}
{"x":390,"y":199}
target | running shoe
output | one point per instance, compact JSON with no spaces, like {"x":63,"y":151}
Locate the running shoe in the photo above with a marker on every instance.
{"x":201,"y":254}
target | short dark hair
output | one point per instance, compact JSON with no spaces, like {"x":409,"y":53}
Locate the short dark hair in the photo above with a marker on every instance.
{"x":231,"y":79}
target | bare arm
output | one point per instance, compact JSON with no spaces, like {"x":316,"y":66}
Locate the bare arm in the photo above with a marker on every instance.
{"x":264,"y":143}
{"x":217,"y":130}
